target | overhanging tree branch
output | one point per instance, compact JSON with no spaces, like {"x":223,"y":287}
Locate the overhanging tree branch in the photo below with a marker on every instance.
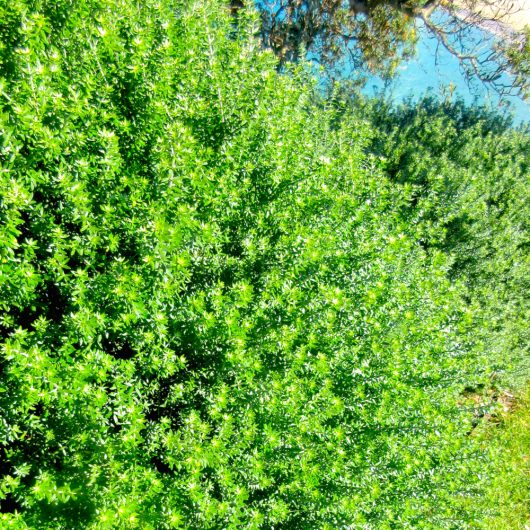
{"x":376,"y":35}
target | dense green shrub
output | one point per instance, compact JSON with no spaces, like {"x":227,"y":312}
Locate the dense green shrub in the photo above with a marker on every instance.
{"x":469,"y":171}
{"x":214,"y":311}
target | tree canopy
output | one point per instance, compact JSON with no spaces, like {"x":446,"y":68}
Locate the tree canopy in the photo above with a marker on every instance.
{"x":375,"y":35}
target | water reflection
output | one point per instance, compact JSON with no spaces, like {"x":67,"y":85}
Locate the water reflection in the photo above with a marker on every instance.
{"x":436,"y":70}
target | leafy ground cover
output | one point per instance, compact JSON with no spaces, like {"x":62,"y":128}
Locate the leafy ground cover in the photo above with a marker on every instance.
{"x":218,"y":309}
{"x":507,"y":436}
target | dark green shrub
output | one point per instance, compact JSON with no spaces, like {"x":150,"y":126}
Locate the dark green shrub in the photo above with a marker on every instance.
{"x":214,"y":314}
{"x":469,"y":174}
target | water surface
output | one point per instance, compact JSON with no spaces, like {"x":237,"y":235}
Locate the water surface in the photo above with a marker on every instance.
{"x":435,"y":70}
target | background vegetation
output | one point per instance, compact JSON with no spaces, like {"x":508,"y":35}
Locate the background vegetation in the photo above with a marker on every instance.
{"x":469,"y":175}
{"x":507,"y":436}
{"x":228,"y":302}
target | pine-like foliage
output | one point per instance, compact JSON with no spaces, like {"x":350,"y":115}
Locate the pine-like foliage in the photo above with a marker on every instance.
{"x":213,"y":313}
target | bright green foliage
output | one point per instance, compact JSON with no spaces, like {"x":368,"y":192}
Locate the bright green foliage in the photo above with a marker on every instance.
{"x":507,"y":500}
{"x":214,"y":313}
{"x":470,"y":177}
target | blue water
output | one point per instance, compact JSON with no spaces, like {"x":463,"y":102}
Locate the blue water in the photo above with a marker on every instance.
{"x":433,"y":71}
